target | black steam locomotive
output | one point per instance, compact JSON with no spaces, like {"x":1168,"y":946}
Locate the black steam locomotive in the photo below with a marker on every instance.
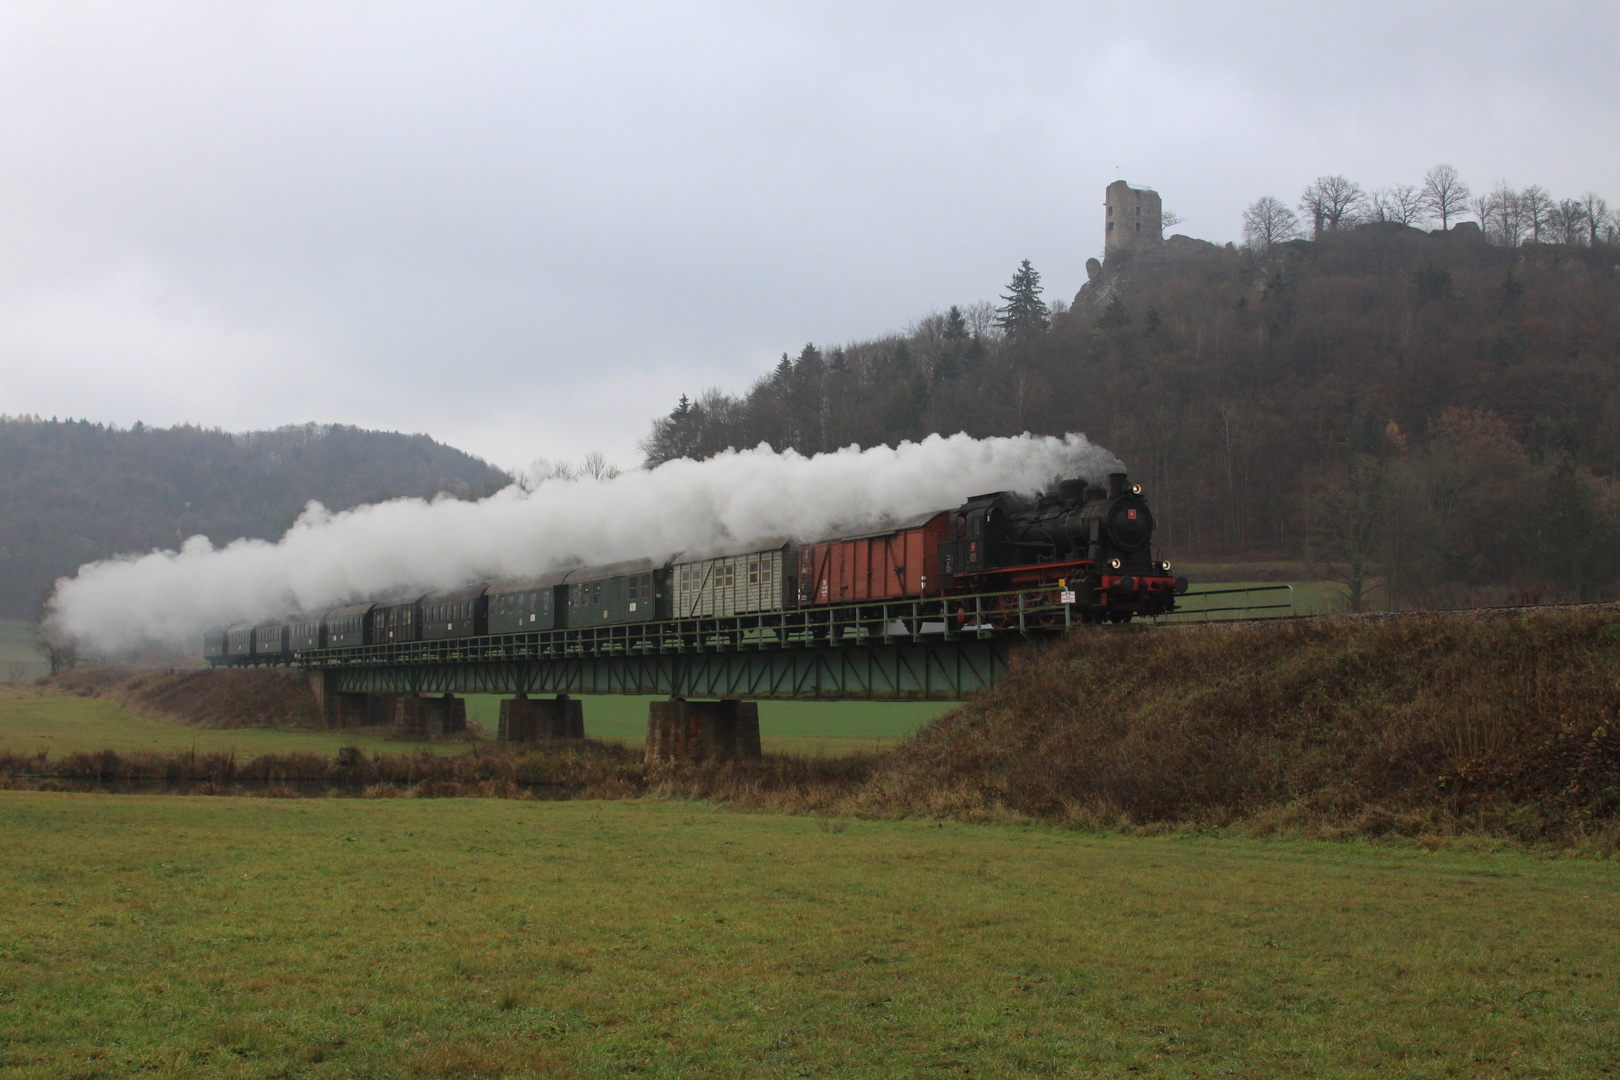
{"x":1080,"y":553}
{"x":1090,"y":544}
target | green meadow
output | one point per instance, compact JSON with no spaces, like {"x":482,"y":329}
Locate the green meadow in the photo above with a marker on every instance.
{"x":798,"y":727}
{"x":1308,"y":598}
{"x":20,"y":658}
{"x":32,"y":719}
{"x":182,"y":937}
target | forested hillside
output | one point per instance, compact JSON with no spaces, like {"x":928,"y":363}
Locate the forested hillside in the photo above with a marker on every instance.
{"x":74,"y":491}
{"x":1427,"y":416}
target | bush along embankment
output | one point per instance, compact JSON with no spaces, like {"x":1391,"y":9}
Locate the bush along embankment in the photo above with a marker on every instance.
{"x":582,"y":768}
{"x":1334,"y":727}
{"x":207,"y":698}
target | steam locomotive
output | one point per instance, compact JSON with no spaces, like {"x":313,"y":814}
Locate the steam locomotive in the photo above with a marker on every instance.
{"x":1082,"y":546}
{"x":1094,"y":543}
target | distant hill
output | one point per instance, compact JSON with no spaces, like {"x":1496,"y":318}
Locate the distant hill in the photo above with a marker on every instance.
{"x":73,"y":491}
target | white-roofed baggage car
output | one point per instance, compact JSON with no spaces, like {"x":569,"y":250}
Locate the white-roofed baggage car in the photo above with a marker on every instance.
{"x":740,"y":579}
{"x":525,"y":604}
{"x":626,"y":592}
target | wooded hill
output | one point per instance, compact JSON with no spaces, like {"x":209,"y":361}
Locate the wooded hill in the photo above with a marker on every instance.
{"x":1433,"y":417}
{"x":74,"y":491}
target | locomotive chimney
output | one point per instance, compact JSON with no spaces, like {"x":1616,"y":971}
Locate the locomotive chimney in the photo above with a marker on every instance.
{"x":1116,"y":484}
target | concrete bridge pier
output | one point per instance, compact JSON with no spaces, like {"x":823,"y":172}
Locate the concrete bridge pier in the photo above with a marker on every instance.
{"x":525,"y":719}
{"x":417,"y":717}
{"x":347,"y":710}
{"x":366,"y":710}
{"x":681,"y":730}
{"x":324,"y":684}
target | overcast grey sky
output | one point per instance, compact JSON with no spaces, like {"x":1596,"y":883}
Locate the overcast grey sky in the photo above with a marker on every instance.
{"x":527,"y":228}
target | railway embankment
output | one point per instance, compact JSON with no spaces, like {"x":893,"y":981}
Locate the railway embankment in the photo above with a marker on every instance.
{"x":259,"y":697}
{"x":1503,"y":722}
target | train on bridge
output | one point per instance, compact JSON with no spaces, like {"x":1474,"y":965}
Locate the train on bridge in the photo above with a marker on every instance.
{"x":1082,"y":553}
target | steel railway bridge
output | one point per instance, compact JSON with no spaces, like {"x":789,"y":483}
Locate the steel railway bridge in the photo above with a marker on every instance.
{"x":908,"y":651}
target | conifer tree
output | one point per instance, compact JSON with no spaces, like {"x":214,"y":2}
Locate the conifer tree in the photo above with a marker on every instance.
{"x":1024,"y":314}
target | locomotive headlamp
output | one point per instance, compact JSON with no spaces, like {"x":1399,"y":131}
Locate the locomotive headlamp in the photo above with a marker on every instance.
{"x":1136,"y":489}
{"x":1113,"y":563}
{"x":1166,"y":565}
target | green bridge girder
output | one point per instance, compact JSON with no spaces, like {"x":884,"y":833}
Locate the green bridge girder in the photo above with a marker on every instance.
{"x":910,"y":651}
{"x":922,"y":671}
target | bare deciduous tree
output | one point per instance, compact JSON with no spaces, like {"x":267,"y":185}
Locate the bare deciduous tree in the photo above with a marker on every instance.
{"x":1268,"y":222}
{"x":1332,"y":203}
{"x":1536,"y":210}
{"x":1445,"y":193}
{"x":1503,"y":215}
{"x":1403,"y":203}
{"x":1569,"y":222}
{"x":981,"y":319}
{"x":597,"y":466}
{"x":1597,"y":215}
{"x":1347,"y":512}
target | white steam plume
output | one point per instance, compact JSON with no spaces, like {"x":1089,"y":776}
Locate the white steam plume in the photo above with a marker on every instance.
{"x":327,"y":559}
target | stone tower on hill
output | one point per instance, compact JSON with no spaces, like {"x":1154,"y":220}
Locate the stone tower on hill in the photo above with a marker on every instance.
{"x":1134,"y":216}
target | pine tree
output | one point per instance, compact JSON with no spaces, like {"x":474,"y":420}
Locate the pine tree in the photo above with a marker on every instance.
{"x":955,"y":325}
{"x":1025,"y":313}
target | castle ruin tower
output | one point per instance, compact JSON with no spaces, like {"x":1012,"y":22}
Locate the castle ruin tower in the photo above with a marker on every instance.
{"x":1134,"y":216}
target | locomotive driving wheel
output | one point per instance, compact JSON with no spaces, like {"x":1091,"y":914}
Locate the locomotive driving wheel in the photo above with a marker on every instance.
{"x":1050,"y":611}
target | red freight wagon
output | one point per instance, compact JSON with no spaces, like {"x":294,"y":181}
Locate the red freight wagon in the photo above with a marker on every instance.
{"x":899,"y":564}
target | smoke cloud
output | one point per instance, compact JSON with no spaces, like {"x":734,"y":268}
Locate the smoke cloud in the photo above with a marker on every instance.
{"x":326,"y":559}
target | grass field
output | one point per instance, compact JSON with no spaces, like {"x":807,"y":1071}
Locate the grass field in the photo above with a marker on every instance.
{"x":461,"y":938}
{"x":20,"y":659}
{"x":800,"y":727}
{"x":32,"y":720}
{"x":1310,"y":598}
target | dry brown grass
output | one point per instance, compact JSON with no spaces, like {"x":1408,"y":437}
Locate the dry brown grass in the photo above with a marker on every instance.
{"x":209,"y":698}
{"x":1401,"y":725}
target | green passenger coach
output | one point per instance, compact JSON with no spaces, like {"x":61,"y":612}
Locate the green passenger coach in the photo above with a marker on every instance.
{"x":516,"y":607}
{"x":626,"y":592}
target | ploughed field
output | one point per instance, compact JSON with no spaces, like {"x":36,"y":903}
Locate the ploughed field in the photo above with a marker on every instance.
{"x":480,"y":937}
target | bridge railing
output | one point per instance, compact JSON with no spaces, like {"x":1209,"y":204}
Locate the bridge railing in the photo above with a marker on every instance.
{"x":1026,"y":613}
{"x":1248,"y":602}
